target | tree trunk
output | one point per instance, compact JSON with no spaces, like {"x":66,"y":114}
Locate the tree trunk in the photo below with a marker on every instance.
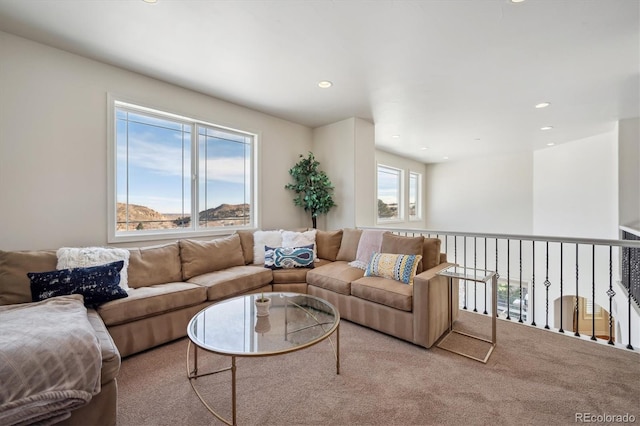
{"x":313,"y":219}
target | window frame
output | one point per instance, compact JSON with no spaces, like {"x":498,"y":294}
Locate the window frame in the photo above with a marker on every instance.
{"x":113,"y":236}
{"x":401,"y":196}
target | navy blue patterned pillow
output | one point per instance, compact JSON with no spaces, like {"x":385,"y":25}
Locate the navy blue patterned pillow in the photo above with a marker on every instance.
{"x":98,"y":284}
{"x":288,"y":257}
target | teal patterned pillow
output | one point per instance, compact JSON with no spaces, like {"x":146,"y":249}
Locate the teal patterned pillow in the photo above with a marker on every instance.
{"x":399,"y":267}
{"x":288,"y":257}
{"x":98,"y":284}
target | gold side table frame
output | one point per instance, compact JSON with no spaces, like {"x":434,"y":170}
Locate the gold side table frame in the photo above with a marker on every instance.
{"x":476,"y":275}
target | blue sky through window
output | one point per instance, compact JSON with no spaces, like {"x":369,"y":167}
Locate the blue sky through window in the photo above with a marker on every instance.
{"x":154,"y":164}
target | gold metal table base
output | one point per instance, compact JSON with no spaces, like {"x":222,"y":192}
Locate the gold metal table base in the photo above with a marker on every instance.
{"x":454,"y":272}
{"x":192,"y":374}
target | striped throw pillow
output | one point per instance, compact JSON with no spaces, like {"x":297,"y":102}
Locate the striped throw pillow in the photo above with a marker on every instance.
{"x":399,"y":267}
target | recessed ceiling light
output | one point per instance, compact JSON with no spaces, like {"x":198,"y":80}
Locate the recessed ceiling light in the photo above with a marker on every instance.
{"x":543,"y":104}
{"x":550,"y":144}
{"x":325,"y":84}
{"x":424,"y":148}
{"x":445,"y":158}
{"x":150,"y":1}
{"x":546,"y":128}
{"x":395,"y":136}
{"x":517,"y":1}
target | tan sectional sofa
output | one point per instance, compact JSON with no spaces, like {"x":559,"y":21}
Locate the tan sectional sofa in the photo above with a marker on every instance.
{"x":172,"y":282}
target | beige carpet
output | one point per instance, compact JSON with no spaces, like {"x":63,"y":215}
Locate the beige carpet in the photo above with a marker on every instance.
{"x":532,"y":377}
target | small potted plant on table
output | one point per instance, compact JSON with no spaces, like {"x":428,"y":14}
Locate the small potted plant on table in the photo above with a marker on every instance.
{"x":262,"y":305}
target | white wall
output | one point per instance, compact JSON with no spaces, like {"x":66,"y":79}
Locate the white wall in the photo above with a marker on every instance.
{"x":490,"y":195}
{"x":53,"y":144}
{"x":629,"y":171}
{"x":575,"y":191}
{"x":402,"y":163}
{"x":346,"y":152}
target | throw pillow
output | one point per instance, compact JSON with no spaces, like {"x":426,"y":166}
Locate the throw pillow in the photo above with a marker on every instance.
{"x":399,"y":267}
{"x":328,"y":244}
{"x":98,"y":284}
{"x":399,"y":244}
{"x":80,"y":257}
{"x":370,"y":242}
{"x":299,"y":239}
{"x":288,"y":257}
{"x":349,"y":244}
{"x":199,"y":257}
{"x":262,"y":239}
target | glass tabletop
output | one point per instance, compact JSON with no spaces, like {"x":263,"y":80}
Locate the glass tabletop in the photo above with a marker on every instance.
{"x":232,"y":327}
{"x":469,"y":274}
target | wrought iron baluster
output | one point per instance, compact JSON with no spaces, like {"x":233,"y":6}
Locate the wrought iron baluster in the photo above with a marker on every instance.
{"x":475,"y":266}
{"x":577,"y":312}
{"x":485,"y":284}
{"x":561,"y":287}
{"x":629,"y":292}
{"x":464,"y":257}
{"x":495,"y":308}
{"x":520,"y":255}
{"x":547,"y":284}
{"x":531,"y":306}
{"x":508,"y":279}
{"x":593,"y":291}
{"x":610,"y":293}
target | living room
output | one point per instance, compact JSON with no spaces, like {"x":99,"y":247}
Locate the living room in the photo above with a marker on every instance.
{"x":54,"y":150}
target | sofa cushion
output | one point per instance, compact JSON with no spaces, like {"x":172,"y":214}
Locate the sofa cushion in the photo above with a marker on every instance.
{"x":431,"y":253}
{"x":384,"y":291}
{"x":294,"y":276}
{"x":199,"y":257}
{"x":154,"y":265}
{"x":349,"y":244}
{"x":246,"y":241}
{"x":328,"y":244}
{"x":149,"y":301}
{"x":392,"y":243}
{"x":264,"y":238}
{"x":15,"y":286}
{"x":233,"y":281}
{"x":399,"y":267}
{"x":97,"y":284}
{"x":336,"y":276}
{"x":110,"y":354}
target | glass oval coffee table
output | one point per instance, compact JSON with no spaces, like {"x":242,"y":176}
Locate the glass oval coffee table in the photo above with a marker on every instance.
{"x":232,"y":328}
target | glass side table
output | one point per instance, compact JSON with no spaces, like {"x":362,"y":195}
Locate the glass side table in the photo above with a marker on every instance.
{"x":476,"y":275}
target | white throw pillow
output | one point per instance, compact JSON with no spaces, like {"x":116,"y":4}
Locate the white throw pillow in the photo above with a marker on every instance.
{"x":82,"y":257}
{"x":264,"y":238}
{"x":300,"y":239}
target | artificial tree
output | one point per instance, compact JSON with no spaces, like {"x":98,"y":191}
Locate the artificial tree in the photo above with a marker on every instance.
{"x":312,"y":187}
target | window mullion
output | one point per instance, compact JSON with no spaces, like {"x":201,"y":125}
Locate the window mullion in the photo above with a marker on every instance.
{"x":195,"y":172}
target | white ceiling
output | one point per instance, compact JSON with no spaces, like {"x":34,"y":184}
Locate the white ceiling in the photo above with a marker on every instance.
{"x":460,"y":77}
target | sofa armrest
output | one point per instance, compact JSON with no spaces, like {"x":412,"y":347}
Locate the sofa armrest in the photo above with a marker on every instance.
{"x":431,"y":305}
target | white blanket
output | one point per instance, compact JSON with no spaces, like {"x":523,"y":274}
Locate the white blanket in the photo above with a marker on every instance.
{"x":50,"y":360}
{"x":370,"y":242}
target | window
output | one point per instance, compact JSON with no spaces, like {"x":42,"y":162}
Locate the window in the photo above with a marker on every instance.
{"x":389,"y":194}
{"x":415,"y":200}
{"x":175,"y":175}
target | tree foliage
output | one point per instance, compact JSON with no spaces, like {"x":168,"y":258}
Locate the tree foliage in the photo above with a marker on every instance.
{"x":312,"y":187}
